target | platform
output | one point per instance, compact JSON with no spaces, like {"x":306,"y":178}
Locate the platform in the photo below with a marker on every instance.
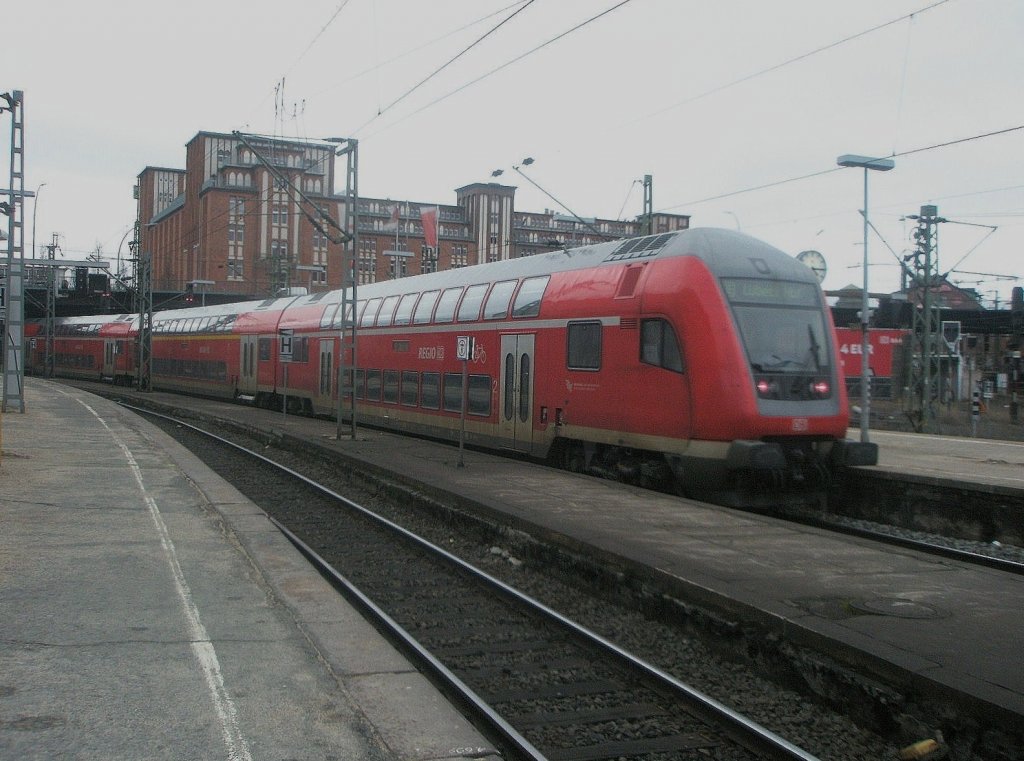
{"x":148,"y":610}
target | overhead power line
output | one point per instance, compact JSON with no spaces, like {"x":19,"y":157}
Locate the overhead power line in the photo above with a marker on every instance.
{"x":410,"y":51}
{"x":495,"y":70}
{"x":821,"y":172}
{"x":452,"y":60}
{"x":787,"y":62}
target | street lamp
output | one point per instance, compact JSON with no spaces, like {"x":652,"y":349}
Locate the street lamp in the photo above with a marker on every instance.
{"x":35,"y":202}
{"x":879,"y":165}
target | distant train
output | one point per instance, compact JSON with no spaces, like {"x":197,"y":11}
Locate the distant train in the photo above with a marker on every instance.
{"x":702,"y":359}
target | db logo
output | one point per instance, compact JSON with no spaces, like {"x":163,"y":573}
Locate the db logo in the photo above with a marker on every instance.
{"x":799,"y":424}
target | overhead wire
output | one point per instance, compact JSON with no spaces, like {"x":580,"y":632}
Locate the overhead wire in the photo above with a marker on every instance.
{"x":449,"y":62}
{"x":787,"y":62}
{"x":410,"y":51}
{"x":821,"y":172}
{"x":191,"y":233}
{"x":495,"y":70}
{"x":302,"y":55}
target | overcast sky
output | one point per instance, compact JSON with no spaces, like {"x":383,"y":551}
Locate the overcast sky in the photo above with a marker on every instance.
{"x":711,"y":98}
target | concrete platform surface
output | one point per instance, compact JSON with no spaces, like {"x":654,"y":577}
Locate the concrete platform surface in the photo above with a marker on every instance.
{"x":149,"y":611}
{"x":984,"y":461}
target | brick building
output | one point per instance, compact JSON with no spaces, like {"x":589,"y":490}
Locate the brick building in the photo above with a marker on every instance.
{"x":227,"y":225}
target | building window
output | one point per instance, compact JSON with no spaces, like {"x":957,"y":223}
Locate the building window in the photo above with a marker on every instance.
{"x":367,"y":268}
{"x":428,"y":259}
{"x":398,"y":267}
{"x":460,"y":256}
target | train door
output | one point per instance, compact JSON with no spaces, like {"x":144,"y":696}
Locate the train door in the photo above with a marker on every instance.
{"x":325,"y":376}
{"x":109,"y":356}
{"x":516,"y":414}
{"x":247,"y":366}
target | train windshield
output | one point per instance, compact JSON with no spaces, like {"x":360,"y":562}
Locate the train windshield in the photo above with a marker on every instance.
{"x":782,"y":324}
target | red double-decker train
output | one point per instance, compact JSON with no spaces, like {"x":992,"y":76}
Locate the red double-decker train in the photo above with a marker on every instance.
{"x":702,"y":358}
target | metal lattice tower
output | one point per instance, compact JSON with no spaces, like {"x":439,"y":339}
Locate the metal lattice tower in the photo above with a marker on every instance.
{"x":922,"y":264}
{"x":349,"y":278}
{"x":144,"y":308}
{"x":14,"y":333}
{"x":51,"y":303}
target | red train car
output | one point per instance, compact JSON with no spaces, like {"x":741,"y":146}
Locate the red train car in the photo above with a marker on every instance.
{"x":99,"y":347}
{"x":701,"y":358}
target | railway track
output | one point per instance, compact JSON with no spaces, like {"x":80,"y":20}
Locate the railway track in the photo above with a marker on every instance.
{"x":543,"y":686}
{"x":1009,"y":560}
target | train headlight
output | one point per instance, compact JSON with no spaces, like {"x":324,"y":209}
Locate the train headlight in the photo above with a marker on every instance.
{"x":820,"y":388}
{"x":767,"y":388}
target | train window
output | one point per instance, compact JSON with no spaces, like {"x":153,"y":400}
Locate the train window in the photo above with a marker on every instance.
{"x":524,"y":388}
{"x":453,"y":392}
{"x":430,"y":395}
{"x":659,"y":345}
{"x":326,"y":362}
{"x":264,"y":349}
{"x":498,"y":300}
{"x":510,"y":380}
{"x":583,"y":351}
{"x":336,"y":323}
{"x":446,"y":306}
{"x":360,"y":384}
{"x":373,"y":385}
{"x":527,"y":302}
{"x":327,"y":318}
{"x":391,"y":386}
{"x":479,"y":395}
{"x":387,"y":311}
{"x":425,"y":308}
{"x":404,"y":311}
{"x":410,"y":387}
{"x":469,"y":309}
{"x":369,"y":312}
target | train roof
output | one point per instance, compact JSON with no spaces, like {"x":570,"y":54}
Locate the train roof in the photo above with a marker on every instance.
{"x":727,"y":253}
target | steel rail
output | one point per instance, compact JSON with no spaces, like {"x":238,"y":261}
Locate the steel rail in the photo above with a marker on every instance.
{"x":753,"y":736}
{"x":940,"y":550}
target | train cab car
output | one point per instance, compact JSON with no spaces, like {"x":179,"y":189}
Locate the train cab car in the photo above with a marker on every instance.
{"x":702,"y":358}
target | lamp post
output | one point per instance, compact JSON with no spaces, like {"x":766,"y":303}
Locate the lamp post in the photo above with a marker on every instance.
{"x":879,"y":165}
{"x":35,"y":203}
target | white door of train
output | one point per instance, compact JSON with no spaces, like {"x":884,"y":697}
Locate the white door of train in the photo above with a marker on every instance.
{"x":516,"y":399}
{"x":247,"y":366}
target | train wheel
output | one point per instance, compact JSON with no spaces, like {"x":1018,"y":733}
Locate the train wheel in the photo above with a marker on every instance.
{"x":575,"y":457}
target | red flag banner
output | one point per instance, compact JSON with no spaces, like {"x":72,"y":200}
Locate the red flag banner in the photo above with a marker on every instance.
{"x":428,"y":216}
{"x":392,"y":223}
